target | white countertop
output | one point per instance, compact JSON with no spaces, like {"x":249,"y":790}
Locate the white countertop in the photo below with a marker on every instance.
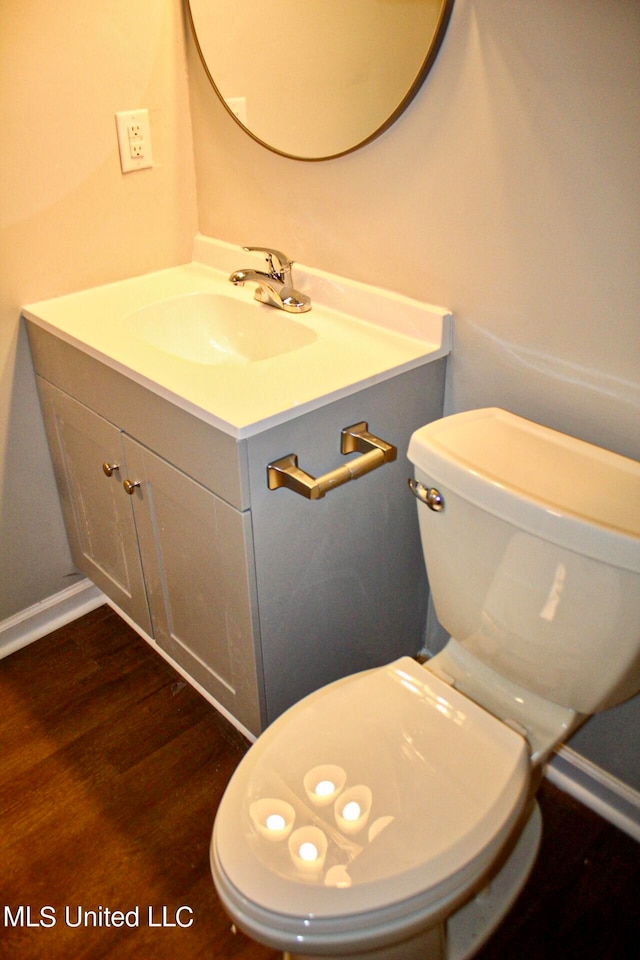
{"x":364,"y":335}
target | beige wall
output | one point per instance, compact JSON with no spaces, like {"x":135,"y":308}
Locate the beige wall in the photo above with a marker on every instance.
{"x":508,"y":192}
{"x":69,"y":218}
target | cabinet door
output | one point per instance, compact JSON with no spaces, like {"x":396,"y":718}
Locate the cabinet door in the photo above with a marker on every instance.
{"x":198,"y":561}
{"x":97,"y":511}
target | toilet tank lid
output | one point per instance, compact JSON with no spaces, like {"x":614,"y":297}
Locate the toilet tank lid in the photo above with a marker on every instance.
{"x":556,"y":486}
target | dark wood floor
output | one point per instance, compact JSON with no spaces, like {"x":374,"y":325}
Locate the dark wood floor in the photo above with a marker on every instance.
{"x":111,"y":769}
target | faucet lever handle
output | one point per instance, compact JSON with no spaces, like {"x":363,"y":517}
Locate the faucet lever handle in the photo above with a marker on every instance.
{"x":282,"y":269}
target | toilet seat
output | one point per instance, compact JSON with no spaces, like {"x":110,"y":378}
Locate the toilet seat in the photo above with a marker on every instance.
{"x":439,"y":783}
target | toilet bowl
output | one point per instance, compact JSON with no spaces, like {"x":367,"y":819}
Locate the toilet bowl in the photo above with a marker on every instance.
{"x":392,"y":814}
{"x":446,"y":783}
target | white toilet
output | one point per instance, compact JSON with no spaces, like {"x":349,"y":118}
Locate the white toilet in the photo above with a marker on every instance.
{"x":391,"y":814}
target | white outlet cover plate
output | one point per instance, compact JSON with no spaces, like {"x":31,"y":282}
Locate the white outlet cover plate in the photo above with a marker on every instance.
{"x":134,"y":140}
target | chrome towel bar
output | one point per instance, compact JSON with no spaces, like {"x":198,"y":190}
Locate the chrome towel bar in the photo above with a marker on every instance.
{"x":355,"y":439}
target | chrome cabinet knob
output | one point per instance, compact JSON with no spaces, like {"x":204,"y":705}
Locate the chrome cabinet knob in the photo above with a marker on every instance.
{"x":109,"y":468}
{"x":130,"y":486}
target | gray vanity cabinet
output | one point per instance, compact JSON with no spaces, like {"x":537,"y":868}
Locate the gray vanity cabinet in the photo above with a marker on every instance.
{"x":259,"y":595}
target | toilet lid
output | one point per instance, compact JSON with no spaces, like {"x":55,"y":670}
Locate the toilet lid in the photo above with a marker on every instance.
{"x":372,"y":790}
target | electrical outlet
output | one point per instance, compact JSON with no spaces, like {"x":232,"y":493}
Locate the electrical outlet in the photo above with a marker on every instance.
{"x":134,"y":140}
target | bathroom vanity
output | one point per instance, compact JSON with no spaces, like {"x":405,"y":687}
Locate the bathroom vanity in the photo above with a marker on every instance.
{"x":259,"y":595}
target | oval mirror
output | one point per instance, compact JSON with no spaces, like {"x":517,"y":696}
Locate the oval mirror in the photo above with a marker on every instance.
{"x":315,"y":79}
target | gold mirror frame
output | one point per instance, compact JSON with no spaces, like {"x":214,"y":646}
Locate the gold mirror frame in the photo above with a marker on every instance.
{"x":239,"y":33}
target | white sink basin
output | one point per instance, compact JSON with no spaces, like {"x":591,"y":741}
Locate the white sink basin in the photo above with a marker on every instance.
{"x":213,"y":329}
{"x":191,"y":336}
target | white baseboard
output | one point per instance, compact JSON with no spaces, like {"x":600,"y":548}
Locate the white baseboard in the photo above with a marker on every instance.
{"x":47,"y":615}
{"x":609,"y":797}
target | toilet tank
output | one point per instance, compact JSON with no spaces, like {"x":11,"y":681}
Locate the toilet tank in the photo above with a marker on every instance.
{"x":534,"y":561}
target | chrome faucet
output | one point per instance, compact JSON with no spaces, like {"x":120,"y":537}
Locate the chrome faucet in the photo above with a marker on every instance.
{"x":276,"y":286}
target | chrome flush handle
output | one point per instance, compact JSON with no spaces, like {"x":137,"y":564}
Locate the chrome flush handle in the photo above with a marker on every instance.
{"x":429,"y":495}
